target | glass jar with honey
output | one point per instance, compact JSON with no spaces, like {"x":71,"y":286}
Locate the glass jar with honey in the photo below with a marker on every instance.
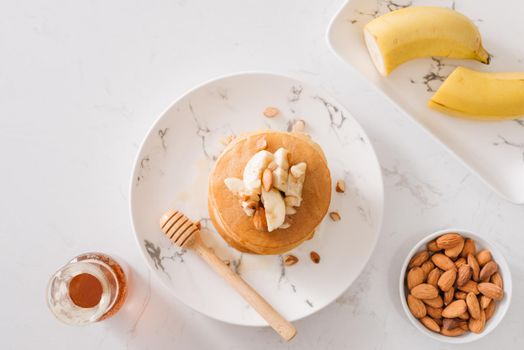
{"x":89,"y":288}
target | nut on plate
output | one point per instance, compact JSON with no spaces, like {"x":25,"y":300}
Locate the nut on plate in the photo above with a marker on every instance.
{"x":290,"y":260}
{"x":340,"y":186}
{"x":335,"y":216}
{"x":271,"y":112}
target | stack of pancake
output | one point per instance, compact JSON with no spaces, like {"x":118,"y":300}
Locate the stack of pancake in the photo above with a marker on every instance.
{"x":228,"y":216}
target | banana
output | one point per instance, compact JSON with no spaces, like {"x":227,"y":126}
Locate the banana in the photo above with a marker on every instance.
{"x":422,"y":31}
{"x":481,"y":95}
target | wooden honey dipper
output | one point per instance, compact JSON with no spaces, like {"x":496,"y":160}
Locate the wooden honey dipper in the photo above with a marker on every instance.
{"x":185,"y":234}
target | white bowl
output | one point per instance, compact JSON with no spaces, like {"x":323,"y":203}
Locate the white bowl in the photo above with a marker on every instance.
{"x":502,"y":306}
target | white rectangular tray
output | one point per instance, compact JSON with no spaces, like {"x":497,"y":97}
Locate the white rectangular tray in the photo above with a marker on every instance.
{"x":493,"y":150}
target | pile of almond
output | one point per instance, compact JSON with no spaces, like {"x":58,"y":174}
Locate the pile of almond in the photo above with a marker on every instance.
{"x":453,"y":288}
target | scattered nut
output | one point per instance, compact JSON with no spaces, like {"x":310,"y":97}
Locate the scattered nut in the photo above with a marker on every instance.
{"x":298,"y":126}
{"x":261,"y":143}
{"x":341,"y":186}
{"x":271,"y":112}
{"x":335,"y":216}
{"x":226,"y":140}
{"x":314,"y":257}
{"x":290,"y":260}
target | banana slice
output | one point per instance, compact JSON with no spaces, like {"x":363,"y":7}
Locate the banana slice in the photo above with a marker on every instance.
{"x":280,"y":174}
{"x":275,"y":208}
{"x":235,"y":185}
{"x":481,"y":95}
{"x":253,"y":170}
{"x":297,"y":175}
{"x":422,"y":31}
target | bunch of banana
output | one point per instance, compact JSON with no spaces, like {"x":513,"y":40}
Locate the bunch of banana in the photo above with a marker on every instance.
{"x":425,"y":31}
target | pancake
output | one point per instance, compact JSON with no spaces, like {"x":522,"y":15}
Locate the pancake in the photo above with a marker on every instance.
{"x":227,"y":215}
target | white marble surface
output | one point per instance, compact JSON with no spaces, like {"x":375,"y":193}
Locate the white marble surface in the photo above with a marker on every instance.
{"x":80,"y":84}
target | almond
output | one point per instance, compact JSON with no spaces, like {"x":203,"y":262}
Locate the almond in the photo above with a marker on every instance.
{"x":434,"y":312}
{"x":448,"y":296}
{"x":490,"y":310}
{"x":460,"y":295}
{"x":435,"y":302}
{"x":416,"y":306}
{"x":455,"y":309}
{"x":271,"y":112}
{"x":476,"y":325}
{"x":491,"y":290}
{"x":443,"y":262}
{"x":298,"y":126}
{"x":450,"y":323}
{"x":473,"y":305}
{"x":432,"y":246}
{"x":446,"y":281}
{"x":469,"y":286}
{"x":261,"y":143}
{"x":464,"y":325}
{"x":427,"y":267}
{"x":259,"y":219}
{"x":460,"y":262}
{"x":484,"y":302}
{"x":455,"y":251}
{"x":341,"y":186}
{"x":290,"y":260}
{"x":335,"y":216}
{"x":415,"y":277}
{"x":483,"y":257}
{"x":438,"y":321}
{"x":464,"y":274}
{"x":475,"y":268}
{"x":430,"y":324}
{"x":464,"y":316}
{"x":469,"y":248}
{"x":455,"y":332}
{"x":315,"y":257}
{"x":267,"y":180}
{"x":497,"y":279}
{"x":488,"y":270}
{"x":424,"y":291}
{"x":449,"y":240}
{"x":434,"y":276}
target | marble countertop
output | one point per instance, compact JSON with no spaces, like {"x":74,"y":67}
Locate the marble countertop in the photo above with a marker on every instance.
{"x":81,"y":83}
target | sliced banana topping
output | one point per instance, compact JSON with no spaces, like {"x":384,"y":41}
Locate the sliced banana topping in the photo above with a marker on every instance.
{"x":295,"y":183}
{"x":275,"y":208}
{"x":280,"y":174}
{"x":279,"y":189}
{"x":235,"y":185}
{"x":254,"y":168}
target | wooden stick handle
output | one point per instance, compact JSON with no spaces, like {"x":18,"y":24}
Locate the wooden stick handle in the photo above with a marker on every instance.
{"x":273,"y":318}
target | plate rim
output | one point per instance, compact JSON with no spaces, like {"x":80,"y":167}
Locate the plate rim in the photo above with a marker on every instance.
{"x":135,"y":169}
{"x":507,"y":196}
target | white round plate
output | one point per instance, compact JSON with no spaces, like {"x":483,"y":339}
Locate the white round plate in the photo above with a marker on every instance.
{"x":172,"y":168}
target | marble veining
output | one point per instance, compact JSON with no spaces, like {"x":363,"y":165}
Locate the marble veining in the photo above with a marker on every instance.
{"x":506,"y":142}
{"x":438,"y":72}
{"x":420,"y":190}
